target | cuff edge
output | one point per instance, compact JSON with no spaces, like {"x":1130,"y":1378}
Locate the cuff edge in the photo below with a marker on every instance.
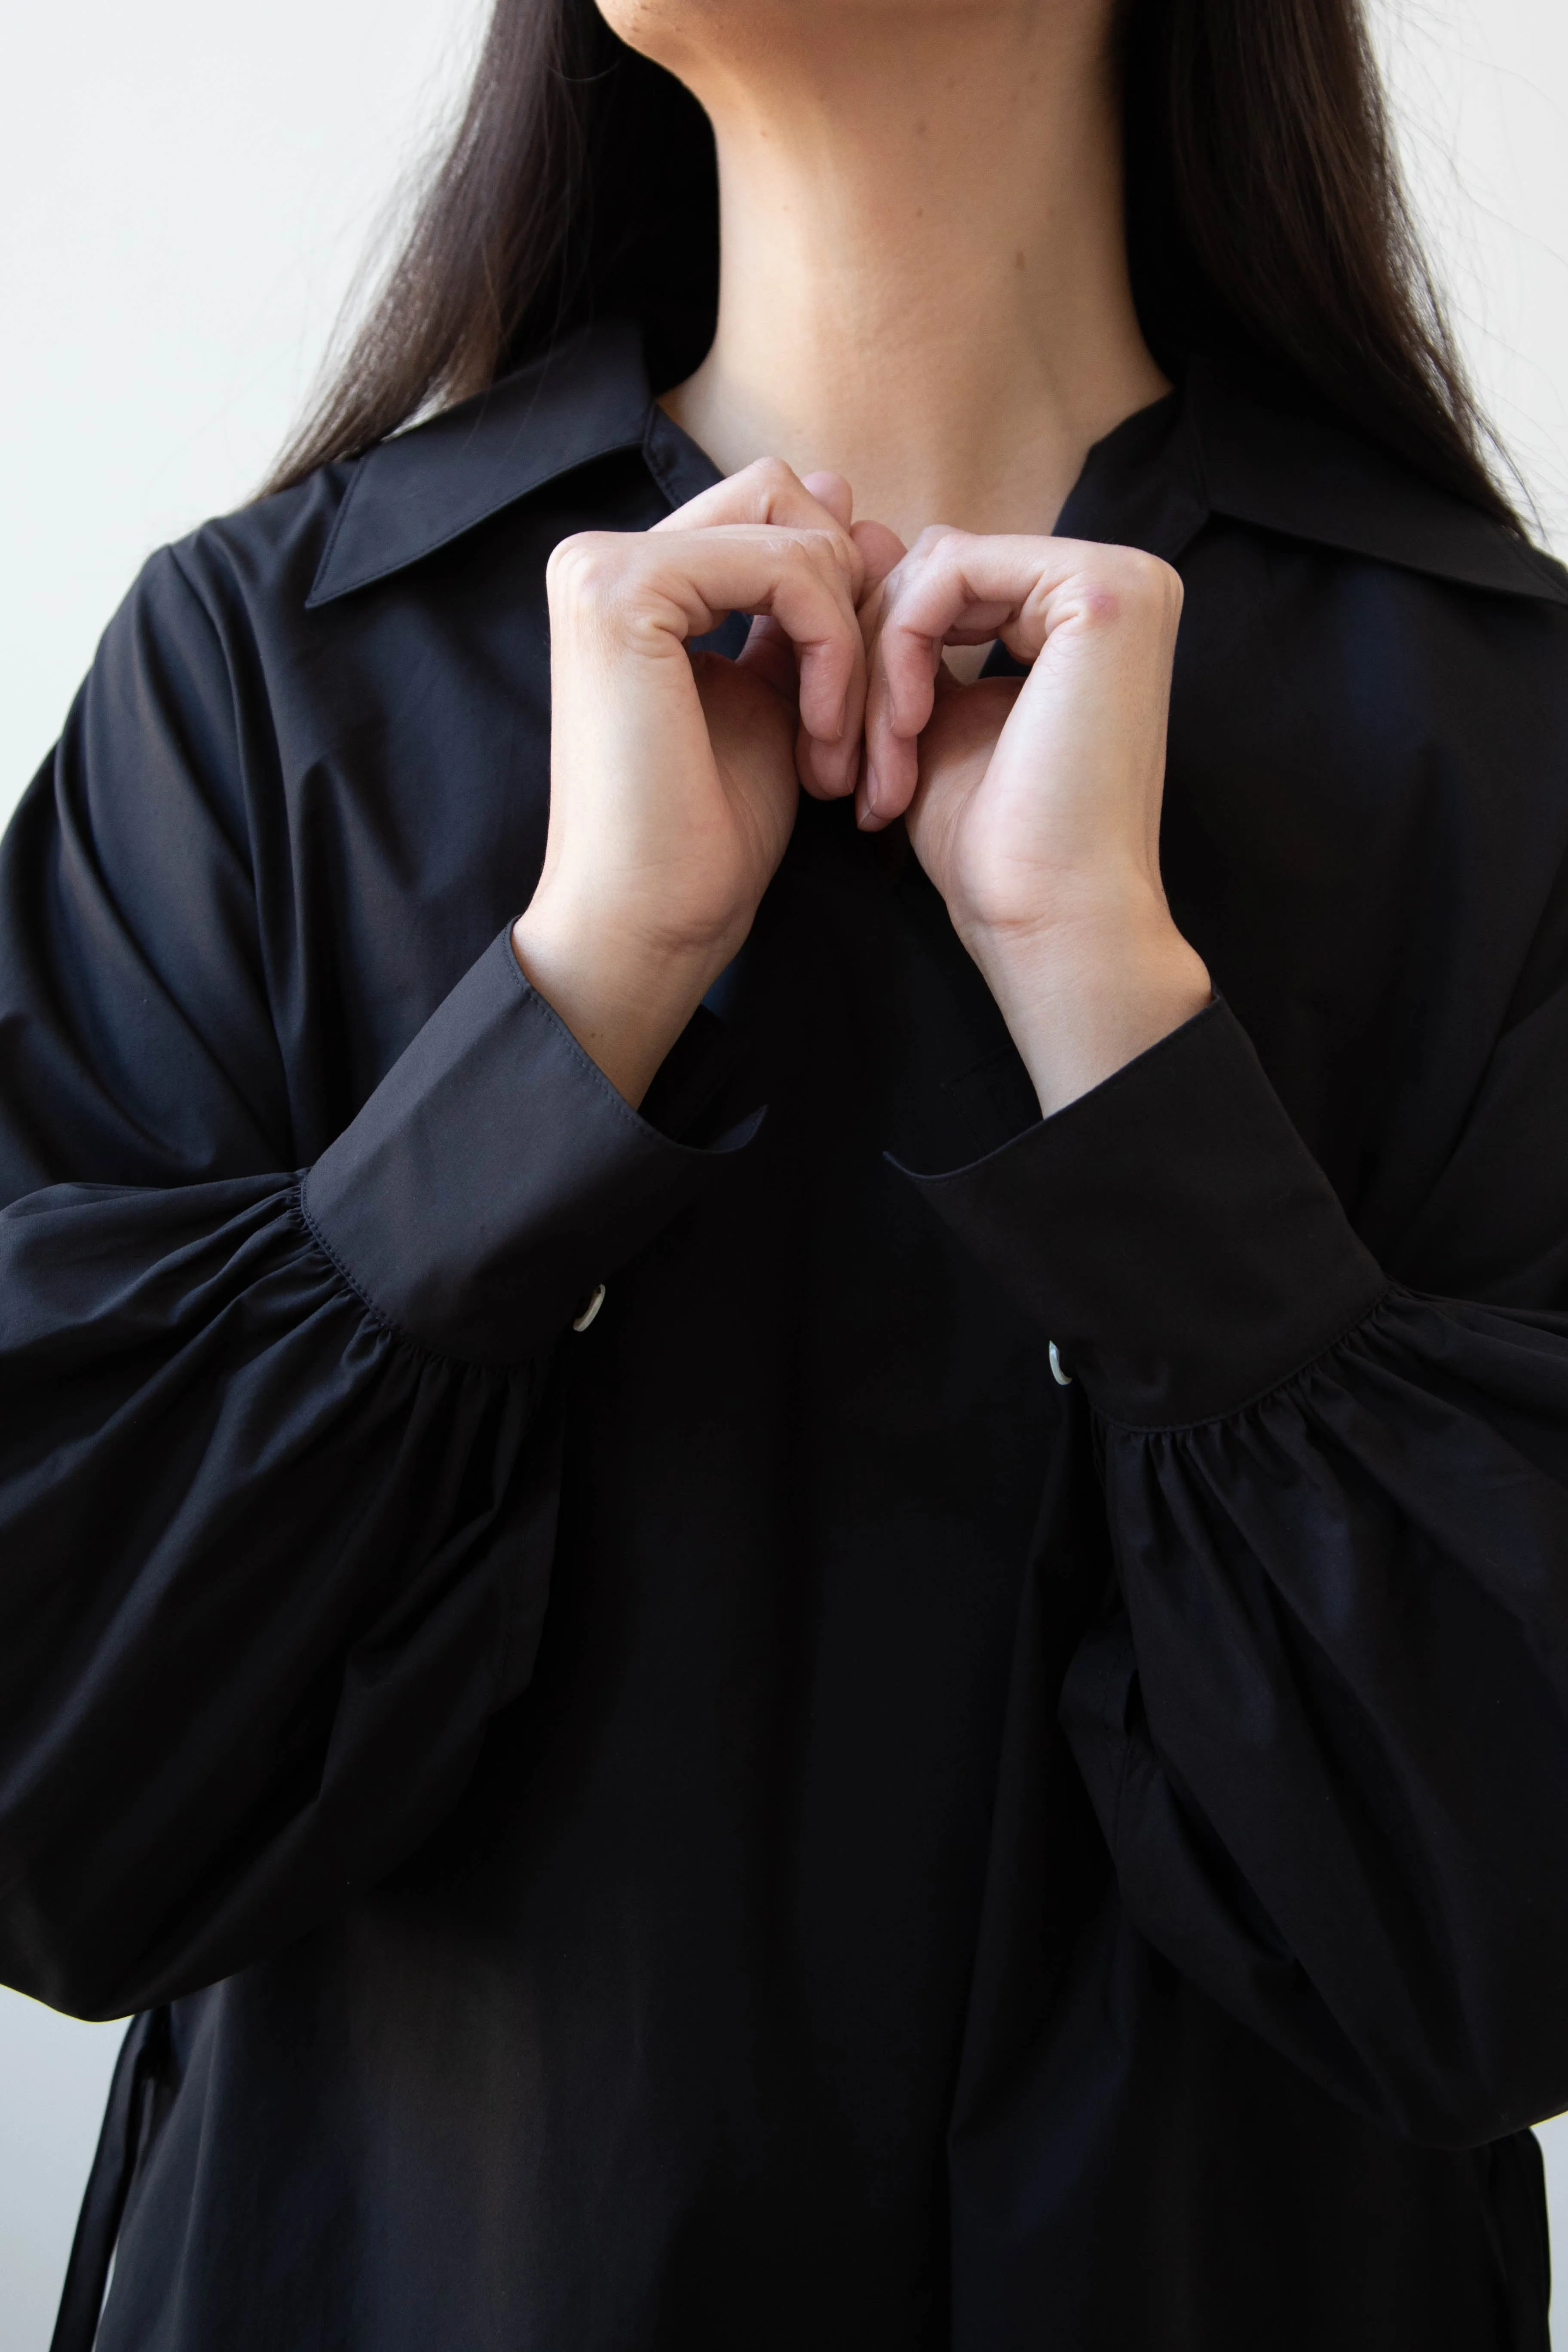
{"x":734,"y":1139}
{"x":933,"y":1180}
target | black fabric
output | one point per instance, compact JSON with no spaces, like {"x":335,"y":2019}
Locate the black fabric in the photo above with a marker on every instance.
{"x":129,"y":2124}
{"x":771,"y":1820}
{"x":494,"y":1176}
{"x":1208,"y":1260}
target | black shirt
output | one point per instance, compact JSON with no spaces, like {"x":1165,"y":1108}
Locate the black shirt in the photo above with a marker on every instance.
{"x":771,"y":1821}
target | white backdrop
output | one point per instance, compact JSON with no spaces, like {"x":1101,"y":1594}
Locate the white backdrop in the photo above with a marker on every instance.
{"x":184,"y":190}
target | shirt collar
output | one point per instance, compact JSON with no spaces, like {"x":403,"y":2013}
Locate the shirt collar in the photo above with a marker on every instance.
{"x":1306,"y":478}
{"x":1213,"y":448}
{"x":427,"y":486}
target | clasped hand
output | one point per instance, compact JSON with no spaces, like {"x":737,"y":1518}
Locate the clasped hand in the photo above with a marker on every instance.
{"x":1034,"y":805}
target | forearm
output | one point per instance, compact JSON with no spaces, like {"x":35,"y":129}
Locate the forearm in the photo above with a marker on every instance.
{"x":625,"y":1003}
{"x":1086,"y":992}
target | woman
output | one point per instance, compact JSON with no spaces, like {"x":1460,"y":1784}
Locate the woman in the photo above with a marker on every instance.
{"x":790,"y":1566}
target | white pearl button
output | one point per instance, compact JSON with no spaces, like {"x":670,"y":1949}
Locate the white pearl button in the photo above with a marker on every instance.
{"x":581,"y":1322}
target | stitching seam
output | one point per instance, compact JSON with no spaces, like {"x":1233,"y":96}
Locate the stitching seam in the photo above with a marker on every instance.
{"x":1273,"y":1388}
{"x":383,"y":1321}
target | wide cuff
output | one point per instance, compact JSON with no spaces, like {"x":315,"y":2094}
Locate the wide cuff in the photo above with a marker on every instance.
{"x":1169,"y":1231}
{"x":495,"y":1177}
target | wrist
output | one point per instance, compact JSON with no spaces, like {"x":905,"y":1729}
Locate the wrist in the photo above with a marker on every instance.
{"x":625,"y":997}
{"x":1089,"y":990}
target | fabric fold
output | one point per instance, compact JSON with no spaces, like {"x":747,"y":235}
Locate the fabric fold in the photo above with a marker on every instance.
{"x":1313,"y":1812}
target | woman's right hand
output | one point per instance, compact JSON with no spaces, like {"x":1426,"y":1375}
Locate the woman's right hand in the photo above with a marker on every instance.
{"x":675,"y":778}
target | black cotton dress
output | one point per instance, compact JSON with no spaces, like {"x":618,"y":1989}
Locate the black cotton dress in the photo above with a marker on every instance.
{"x":771,"y":1821}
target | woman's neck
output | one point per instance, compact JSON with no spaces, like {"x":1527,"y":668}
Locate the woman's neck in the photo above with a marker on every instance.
{"x":924,"y":278}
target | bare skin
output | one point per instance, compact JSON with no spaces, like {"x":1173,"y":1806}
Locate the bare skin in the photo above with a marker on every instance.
{"x":924,"y":274}
{"x":1035,"y":808}
{"x":881,"y":170}
{"x":674,"y":781}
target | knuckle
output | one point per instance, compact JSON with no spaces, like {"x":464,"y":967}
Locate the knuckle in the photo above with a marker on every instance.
{"x":583,"y":569}
{"x":1151,"y":580}
{"x":772,"y":477}
{"x":822,"y":547}
{"x":940,"y":542}
{"x":819,"y":554}
{"x":1126,"y":584}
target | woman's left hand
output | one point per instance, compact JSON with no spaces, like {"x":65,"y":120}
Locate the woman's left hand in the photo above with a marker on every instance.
{"x":1035,"y":808}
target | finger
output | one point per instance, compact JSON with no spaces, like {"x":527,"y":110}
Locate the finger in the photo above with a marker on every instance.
{"x":768,"y":651}
{"x":958,"y":588}
{"x":880,"y":548}
{"x":828,"y":774}
{"x":771,"y":492}
{"x":962,"y":587}
{"x":952,"y":588}
{"x":650,"y":592}
{"x":901,"y":673}
{"x":794,"y":582}
{"x":884,"y":550}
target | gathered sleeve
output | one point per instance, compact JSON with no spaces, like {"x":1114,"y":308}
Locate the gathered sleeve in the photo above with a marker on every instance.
{"x":1325,"y":1729}
{"x":278,"y":1456}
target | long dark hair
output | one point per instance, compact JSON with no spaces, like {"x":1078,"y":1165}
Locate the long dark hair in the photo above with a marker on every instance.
{"x":1266,"y":223}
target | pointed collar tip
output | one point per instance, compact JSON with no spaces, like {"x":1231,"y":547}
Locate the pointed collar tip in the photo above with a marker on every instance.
{"x":1307,"y":479}
{"x":410,"y":495}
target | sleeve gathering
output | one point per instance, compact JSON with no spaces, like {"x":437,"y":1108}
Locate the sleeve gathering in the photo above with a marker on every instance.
{"x":1325,"y":1727}
{"x":278,"y":1451}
